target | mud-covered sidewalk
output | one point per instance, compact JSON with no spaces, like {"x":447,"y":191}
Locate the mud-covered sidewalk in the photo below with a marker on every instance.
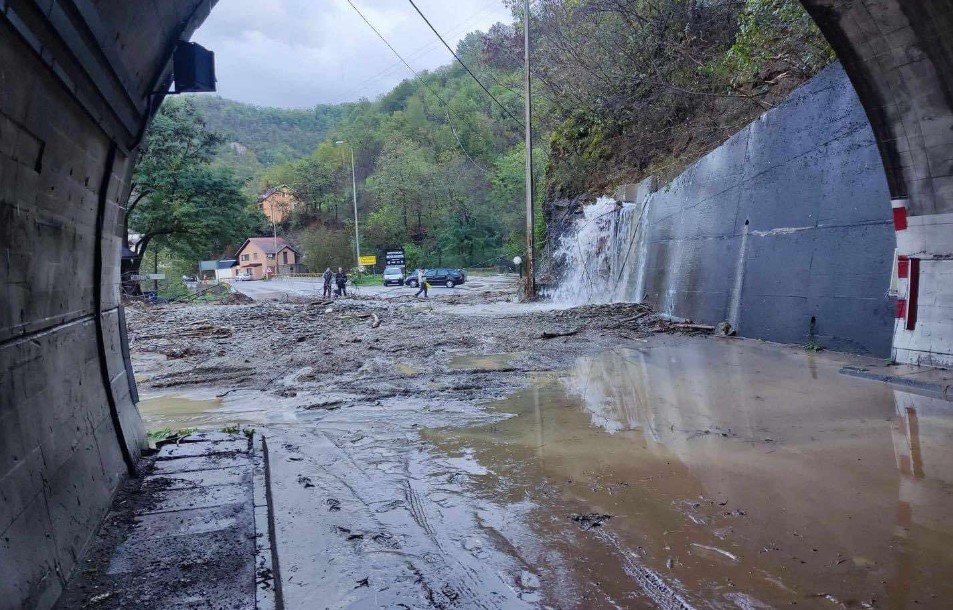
{"x":475,"y":452}
{"x":192,"y":531}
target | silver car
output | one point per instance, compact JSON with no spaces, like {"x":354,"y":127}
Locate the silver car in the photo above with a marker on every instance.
{"x":393,"y":275}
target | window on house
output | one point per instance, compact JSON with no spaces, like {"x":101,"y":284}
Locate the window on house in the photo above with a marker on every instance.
{"x":271,"y":256}
{"x":285,"y":254}
{"x":244,"y":257}
{"x":255,"y":255}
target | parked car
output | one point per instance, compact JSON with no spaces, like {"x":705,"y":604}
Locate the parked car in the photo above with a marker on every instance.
{"x":393,"y":275}
{"x":439,"y":277}
{"x":243,"y":277}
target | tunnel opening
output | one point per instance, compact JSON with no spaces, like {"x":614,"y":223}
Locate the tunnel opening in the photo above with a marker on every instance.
{"x":79,"y":82}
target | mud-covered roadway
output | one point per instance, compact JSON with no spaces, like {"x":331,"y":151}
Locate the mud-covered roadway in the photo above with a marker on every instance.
{"x":473,"y":452}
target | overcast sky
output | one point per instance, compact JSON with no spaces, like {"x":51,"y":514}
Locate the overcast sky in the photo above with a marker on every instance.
{"x":298,"y":53}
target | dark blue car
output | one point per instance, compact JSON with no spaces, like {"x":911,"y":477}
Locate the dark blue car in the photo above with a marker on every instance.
{"x":438,"y":277}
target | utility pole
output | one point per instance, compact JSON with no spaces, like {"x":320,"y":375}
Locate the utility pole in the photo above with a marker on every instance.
{"x":357,"y":235}
{"x":528,"y":110}
{"x":274,"y":225}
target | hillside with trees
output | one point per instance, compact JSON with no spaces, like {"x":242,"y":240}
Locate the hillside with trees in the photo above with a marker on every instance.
{"x":624,"y":89}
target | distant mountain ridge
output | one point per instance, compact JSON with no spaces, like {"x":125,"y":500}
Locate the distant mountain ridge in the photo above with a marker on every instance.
{"x":274,"y":135}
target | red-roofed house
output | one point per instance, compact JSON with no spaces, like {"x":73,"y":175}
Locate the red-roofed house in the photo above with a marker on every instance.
{"x":264,"y":256}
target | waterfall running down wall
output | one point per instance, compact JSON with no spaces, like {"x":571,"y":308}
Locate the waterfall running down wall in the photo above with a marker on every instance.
{"x":599,"y":256}
{"x":785,"y":231}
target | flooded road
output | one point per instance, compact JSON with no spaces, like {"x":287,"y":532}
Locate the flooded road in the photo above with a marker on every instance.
{"x":608,"y":468}
{"x":736,"y":474}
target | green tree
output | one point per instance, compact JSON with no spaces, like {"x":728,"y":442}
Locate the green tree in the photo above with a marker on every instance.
{"x":324,"y":247}
{"x":178,"y":199}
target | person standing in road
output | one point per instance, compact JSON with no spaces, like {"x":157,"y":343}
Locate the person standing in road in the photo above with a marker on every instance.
{"x":341,"y":279}
{"x":421,"y":282}
{"x":328,"y":276}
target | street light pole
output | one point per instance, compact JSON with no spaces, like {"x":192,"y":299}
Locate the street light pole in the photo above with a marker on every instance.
{"x":357,"y":235}
{"x":528,"y":110}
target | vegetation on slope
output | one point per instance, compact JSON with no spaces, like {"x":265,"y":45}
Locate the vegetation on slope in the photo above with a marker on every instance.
{"x":625,"y":89}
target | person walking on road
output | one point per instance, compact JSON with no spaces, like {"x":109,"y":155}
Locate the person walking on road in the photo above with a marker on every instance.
{"x":328,"y":276}
{"x":421,"y":283}
{"x":341,"y":279}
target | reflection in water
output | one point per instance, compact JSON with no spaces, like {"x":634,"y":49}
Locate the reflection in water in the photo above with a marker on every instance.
{"x":739,"y":474}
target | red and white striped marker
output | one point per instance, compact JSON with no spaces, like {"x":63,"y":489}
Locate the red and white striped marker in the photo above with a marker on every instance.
{"x":899,"y":213}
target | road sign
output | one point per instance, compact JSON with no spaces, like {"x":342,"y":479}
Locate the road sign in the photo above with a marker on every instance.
{"x":146,"y":276}
{"x":394,"y":258}
{"x":368,"y":260}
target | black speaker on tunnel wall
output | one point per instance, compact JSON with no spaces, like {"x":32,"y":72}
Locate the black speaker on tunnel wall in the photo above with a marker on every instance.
{"x":193,"y":68}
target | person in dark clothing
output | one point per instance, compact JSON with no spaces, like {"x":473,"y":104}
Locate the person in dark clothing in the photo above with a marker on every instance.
{"x":328,"y":276}
{"x":341,"y":279}
{"x":422,"y":282}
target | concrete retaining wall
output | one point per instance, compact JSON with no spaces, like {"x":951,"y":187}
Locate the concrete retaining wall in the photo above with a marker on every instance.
{"x":783,"y":229}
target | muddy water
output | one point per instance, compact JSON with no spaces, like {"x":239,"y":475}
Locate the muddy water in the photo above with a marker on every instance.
{"x":483,"y":362}
{"x":736,"y":474}
{"x":204,"y":410}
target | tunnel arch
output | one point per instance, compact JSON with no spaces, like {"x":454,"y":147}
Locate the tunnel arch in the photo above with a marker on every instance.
{"x":898,"y":55}
{"x":78,"y":85}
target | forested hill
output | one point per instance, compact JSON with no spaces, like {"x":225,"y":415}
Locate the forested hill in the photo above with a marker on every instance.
{"x":274,"y":135}
{"x":624,"y":89}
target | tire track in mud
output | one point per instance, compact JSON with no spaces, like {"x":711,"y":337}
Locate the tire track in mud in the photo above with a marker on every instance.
{"x":650,"y":582}
{"x":469,"y":583}
{"x":442,"y":572}
{"x":417,"y":510}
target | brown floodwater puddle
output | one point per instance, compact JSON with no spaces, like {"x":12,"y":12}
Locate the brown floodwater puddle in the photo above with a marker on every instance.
{"x":737,"y":475}
{"x":178,"y":412}
{"x":483,"y":362}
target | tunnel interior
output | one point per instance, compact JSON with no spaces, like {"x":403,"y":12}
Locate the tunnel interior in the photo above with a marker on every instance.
{"x":79,"y":81}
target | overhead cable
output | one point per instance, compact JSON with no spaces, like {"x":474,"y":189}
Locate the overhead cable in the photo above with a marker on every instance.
{"x":423,"y":81}
{"x":465,"y":66}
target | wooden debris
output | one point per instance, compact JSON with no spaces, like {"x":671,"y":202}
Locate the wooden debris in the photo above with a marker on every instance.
{"x":687,"y":326}
{"x":554,"y":334}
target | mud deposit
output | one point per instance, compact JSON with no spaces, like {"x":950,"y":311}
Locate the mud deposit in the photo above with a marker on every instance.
{"x":453,"y":459}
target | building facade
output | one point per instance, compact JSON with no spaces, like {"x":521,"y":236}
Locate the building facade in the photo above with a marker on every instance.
{"x":261,"y":257}
{"x":277,"y":203}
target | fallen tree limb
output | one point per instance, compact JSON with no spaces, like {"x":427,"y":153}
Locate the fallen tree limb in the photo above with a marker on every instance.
{"x":554,"y":334}
{"x":634,"y":318}
{"x":707,"y":327}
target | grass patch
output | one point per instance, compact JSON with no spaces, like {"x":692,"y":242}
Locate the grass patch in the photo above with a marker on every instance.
{"x":164,"y":433}
{"x":371,"y":279}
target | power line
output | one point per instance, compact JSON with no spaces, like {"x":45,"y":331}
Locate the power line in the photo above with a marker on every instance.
{"x":424,"y":82}
{"x":423,"y":49}
{"x":465,"y":67}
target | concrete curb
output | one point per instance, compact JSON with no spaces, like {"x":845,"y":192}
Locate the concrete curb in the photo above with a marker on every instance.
{"x":943,"y":391}
{"x":267,"y":576}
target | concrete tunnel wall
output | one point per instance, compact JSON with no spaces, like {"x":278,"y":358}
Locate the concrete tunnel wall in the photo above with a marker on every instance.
{"x":899,"y":57}
{"x":75,"y":84}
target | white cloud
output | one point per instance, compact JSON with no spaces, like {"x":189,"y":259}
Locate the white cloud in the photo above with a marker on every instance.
{"x":298,"y":53}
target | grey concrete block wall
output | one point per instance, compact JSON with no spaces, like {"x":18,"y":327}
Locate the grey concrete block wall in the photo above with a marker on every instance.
{"x":787,"y":222}
{"x":76,"y":79}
